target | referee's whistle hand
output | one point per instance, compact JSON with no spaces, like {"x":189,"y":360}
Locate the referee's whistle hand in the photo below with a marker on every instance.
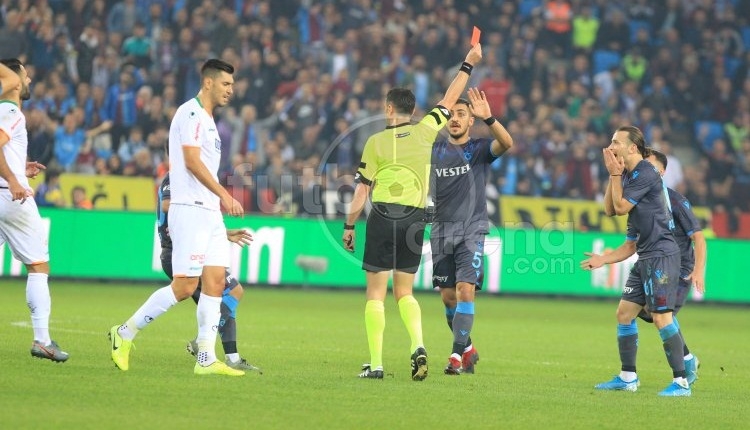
{"x":348,"y":239}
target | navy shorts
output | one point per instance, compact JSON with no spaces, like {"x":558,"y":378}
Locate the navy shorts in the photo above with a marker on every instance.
{"x":230,"y":282}
{"x":457,"y":258}
{"x":683,"y":289}
{"x":654,"y":283}
{"x":394,"y":238}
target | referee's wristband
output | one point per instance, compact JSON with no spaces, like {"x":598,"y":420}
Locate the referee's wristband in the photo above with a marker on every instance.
{"x":348,"y":226}
{"x":489,"y":121}
{"x":466,"y":67}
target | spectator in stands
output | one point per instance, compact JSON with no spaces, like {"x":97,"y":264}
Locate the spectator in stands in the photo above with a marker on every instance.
{"x":120,"y":107}
{"x":78,"y":198}
{"x":69,"y":139}
{"x":49,"y":193}
{"x":123,"y":16}
{"x":614,"y":34}
{"x":738,"y":130}
{"x":133,"y":144}
{"x":585,"y":29}
{"x":692,"y":67}
{"x":137,"y":48}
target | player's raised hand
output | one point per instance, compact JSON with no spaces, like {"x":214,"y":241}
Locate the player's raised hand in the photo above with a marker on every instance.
{"x":348,"y":239}
{"x":239,"y":236}
{"x":232,"y":206}
{"x":594,"y":261}
{"x":479,"y":107}
{"x":475,"y":54}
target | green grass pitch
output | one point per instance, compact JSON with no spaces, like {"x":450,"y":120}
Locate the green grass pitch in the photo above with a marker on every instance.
{"x":540,"y":359}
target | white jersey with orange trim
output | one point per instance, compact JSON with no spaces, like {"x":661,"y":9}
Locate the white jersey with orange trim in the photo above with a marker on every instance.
{"x":13,"y":123}
{"x":193,"y":126}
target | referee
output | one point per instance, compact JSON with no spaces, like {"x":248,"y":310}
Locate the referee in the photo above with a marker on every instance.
{"x":395,"y":167}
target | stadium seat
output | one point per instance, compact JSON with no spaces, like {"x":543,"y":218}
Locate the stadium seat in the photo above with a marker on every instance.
{"x":708,"y":131}
{"x":636,"y":25}
{"x":605,"y":59}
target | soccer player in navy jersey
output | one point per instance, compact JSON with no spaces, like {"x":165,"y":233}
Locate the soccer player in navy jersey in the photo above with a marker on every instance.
{"x":459,"y":176}
{"x":635,"y":188}
{"x":693,"y":253}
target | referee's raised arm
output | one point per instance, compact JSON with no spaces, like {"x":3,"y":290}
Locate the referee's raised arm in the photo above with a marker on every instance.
{"x":458,"y":84}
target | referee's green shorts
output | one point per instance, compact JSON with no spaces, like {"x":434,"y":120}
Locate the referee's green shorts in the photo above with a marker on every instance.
{"x":394,"y":238}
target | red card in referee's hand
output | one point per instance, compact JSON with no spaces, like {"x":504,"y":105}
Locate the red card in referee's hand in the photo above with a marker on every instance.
{"x":475,"y":35}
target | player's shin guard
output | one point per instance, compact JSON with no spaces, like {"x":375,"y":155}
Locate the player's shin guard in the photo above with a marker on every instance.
{"x":40,"y":305}
{"x":158,"y":303}
{"x":375,"y":326}
{"x":449,"y":313}
{"x":463,"y":322}
{"x":685,"y":349}
{"x":208,"y":314}
{"x":627,"y":343}
{"x":228,"y":328}
{"x":673,"y":348}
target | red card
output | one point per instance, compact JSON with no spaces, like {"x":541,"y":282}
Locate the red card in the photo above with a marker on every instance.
{"x":475,"y":35}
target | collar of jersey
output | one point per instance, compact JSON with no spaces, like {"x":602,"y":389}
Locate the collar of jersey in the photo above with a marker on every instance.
{"x":397,"y":125}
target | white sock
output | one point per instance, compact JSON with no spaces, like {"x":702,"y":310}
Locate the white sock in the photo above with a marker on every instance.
{"x":682,"y":381}
{"x":628,"y":376}
{"x":468,"y":347}
{"x":234,"y":357}
{"x":158,"y":303}
{"x":209,"y":314}
{"x":689,"y":357}
{"x":40,"y":305}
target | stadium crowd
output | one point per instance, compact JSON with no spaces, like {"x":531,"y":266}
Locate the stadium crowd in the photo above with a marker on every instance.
{"x":311,"y":76}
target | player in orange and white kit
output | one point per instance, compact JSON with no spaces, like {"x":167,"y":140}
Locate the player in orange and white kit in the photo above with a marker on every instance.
{"x":20,"y":224}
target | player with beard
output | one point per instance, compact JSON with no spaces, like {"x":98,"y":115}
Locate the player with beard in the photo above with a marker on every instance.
{"x":461,"y":167}
{"x":20,"y":223}
{"x":636,"y":189}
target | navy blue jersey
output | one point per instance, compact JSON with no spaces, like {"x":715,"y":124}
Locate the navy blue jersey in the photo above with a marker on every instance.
{"x":650,"y":220}
{"x":161,"y":216}
{"x":458,"y":180}
{"x":686,"y":223}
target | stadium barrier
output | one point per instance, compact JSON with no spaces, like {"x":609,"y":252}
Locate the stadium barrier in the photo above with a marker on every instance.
{"x":104,"y":245}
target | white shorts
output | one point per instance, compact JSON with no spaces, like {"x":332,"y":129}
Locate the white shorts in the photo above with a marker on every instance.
{"x":22,"y":227}
{"x":199,"y":238}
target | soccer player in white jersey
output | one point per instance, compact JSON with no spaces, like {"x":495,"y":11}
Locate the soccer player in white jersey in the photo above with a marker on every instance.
{"x":201,"y":248}
{"x":20,"y":224}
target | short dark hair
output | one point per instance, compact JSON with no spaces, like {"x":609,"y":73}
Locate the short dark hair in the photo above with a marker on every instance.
{"x":635,"y":135}
{"x":212,"y":67}
{"x":402,"y":99}
{"x":13,"y":64}
{"x":660,"y":157}
{"x":462,"y":101}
